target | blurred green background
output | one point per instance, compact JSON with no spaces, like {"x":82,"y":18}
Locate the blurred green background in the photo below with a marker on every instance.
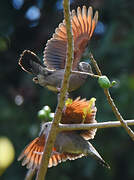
{"x":28,"y":24}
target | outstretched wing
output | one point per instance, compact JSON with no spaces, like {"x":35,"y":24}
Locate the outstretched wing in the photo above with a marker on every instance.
{"x":81,"y":111}
{"x":83,"y":25}
{"x":32,"y":155}
{"x":57,"y":158}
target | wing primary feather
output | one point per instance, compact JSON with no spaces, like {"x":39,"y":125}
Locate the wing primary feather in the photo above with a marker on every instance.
{"x":94,"y":23}
{"x":76,"y":20}
{"x":83,"y":25}
{"x":84,"y":16}
{"x":62,"y":26}
{"x":79,"y":14}
{"x":89,"y":19}
{"x":74,"y":25}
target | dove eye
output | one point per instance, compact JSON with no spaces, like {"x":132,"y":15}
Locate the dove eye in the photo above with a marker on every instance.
{"x":46,"y":125}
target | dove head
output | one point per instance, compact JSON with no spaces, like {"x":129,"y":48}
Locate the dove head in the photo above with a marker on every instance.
{"x":45,"y":127}
{"x":85,"y":67}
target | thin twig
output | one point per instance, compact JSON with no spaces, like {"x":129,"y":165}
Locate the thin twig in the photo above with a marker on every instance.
{"x":52,"y":134}
{"x":111,"y":102}
{"x":95,"y":65}
{"x":89,"y":74}
{"x":101,"y":125}
{"x":118,"y":115}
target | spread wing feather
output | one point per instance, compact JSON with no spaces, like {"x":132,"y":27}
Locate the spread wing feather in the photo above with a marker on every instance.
{"x":74,"y":114}
{"x":32,"y":155}
{"x":83,"y":25}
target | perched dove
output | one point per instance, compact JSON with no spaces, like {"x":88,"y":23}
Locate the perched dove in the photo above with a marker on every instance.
{"x":69,"y":144}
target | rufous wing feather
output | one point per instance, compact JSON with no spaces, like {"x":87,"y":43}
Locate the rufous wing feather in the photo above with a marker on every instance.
{"x":57,"y":158}
{"x":83,"y":25}
{"x":79,"y":111}
{"x":32,"y":155}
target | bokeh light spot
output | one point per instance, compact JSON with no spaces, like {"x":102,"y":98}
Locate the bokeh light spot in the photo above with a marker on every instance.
{"x":17,"y":4}
{"x":100,"y":28}
{"x":19,"y":100}
{"x":7,"y":152}
{"x":33,"y":13}
{"x":59,"y":4}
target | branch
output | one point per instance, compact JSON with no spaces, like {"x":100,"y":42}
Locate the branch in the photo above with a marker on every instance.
{"x":54,"y":127}
{"x":111,"y":102}
{"x":109,"y":124}
{"x":89,"y":74}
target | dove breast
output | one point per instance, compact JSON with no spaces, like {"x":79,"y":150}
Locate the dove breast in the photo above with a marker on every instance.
{"x":55,"y":80}
{"x":70,"y":142}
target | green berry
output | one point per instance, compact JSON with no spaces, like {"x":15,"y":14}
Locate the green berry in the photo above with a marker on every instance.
{"x":51,"y":116}
{"x":47,"y":109}
{"x":104,"y":82}
{"x":114,"y":83}
{"x":42,"y":114}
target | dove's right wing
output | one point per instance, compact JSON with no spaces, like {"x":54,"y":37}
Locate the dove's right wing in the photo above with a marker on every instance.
{"x":83,"y":25}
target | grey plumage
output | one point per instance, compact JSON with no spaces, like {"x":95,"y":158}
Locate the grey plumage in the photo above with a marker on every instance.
{"x":68,"y":145}
{"x":50,"y":73}
{"x":50,"y":78}
{"x":72,"y":142}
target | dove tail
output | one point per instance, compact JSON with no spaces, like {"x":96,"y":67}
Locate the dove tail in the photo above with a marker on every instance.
{"x":92,"y":152}
{"x":30,"y":63}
